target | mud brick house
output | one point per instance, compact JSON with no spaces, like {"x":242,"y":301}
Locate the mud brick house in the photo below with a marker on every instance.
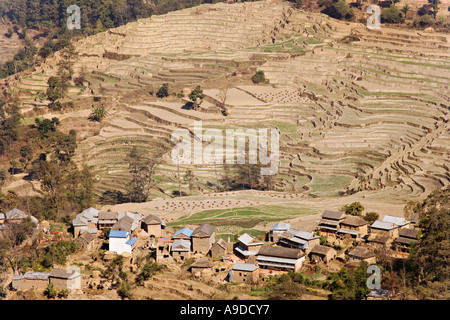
{"x":87,"y":241}
{"x":202,"y":265}
{"x":247,"y":246}
{"x":382,"y":233}
{"x":30,"y":280}
{"x":354,"y":227}
{"x":400,"y":222}
{"x":406,"y":237}
{"x":303,"y":240}
{"x":181,"y":249}
{"x":280,"y":258}
{"x":184,"y":233}
{"x":322,"y":253}
{"x":360,"y":254}
{"x":107,"y":219}
{"x":15,"y":215}
{"x":276,"y":231}
{"x":329,"y":223}
{"x":154,"y":226}
{"x":65,"y":279}
{"x":244,"y":273}
{"x":203,"y":237}
{"x":87,"y":219}
{"x":219,"y":248}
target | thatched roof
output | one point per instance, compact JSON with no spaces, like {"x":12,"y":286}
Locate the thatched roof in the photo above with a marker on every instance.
{"x":333,"y":215}
{"x":152,"y":219}
{"x":322,"y":250}
{"x":203,"y":230}
{"x":202,"y":263}
{"x":280,"y":252}
{"x":361,"y":252}
{"x":354,"y":221}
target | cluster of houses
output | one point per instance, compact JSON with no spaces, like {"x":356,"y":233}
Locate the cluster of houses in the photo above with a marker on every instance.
{"x":284,"y":248}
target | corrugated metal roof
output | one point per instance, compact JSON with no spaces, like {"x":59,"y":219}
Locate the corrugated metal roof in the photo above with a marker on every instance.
{"x":185,"y":231}
{"x":132,"y":241}
{"x":383,"y":225}
{"x":118,"y":234}
{"x":245,"y":266}
{"x":249,"y":240}
{"x":395,"y":220}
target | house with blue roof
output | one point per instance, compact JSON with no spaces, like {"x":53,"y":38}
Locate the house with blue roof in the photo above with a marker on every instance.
{"x":120,"y":241}
{"x":184,"y":234}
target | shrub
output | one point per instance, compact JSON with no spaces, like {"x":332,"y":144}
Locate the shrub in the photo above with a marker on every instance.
{"x":163,"y":91}
{"x":259,"y":77}
{"x":391,"y":15}
{"x":339,"y":10}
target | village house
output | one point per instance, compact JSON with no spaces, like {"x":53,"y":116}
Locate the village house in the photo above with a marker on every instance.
{"x":329,"y":223}
{"x":219,"y":248}
{"x":15,"y":215}
{"x":30,"y":280}
{"x":406,"y":237}
{"x":181,"y":249}
{"x":247,"y":246}
{"x":303,"y":240}
{"x":106,"y":219}
{"x":276,"y":231}
{"x":2,"y":218}
{"x":65,"y":279}
{"x":163,"y":248}
{"x":400,"y":222}
{"x":87,"y":219}
{"x":244,"y":273}
{"x":124,"y":224}
{"x":354,"y":227}
{"x":203,"y":238}
{"x":184,"y":233}
{"x":120,"y":241}
{"x":154,"y":226}
{"x":382,"y":233}
{"x":321,"y":253}
{"x":87,"y":241}
{"x":201,"y":266}
{"x":280,"y":258}
{"x":361,"y":254}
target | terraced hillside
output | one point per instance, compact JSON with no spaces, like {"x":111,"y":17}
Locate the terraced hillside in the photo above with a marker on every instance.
{"x":357,"y":109}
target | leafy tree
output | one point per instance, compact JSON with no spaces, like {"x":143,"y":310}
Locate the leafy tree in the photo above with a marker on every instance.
{"x":197,"y":95}
{"x":163,"y":91}
{"x":391,"y":15}
{"x":259,"y":77}
{"x":9,"y":125}
{"x":435,"y":5}
{"x":371,"y":217}
{"x":98,"y":113}
{"x":339,"y":10}
{"x":354,"y":209}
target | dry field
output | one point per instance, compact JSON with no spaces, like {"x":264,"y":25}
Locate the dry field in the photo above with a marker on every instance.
{"x":358,"y":110}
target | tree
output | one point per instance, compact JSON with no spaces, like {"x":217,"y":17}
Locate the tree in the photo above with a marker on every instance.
{"x":259,"y":77}
{"x":339,"y":10}
{"x":405,"y":9}
{"x":10,"y":117}
{"x":98,"y":113}
{"x":196,"y":96}
{"x":371,"y":217}
{"x":354,"y":209}
{"x":50,"y":291}
{"x":142,"y":169}
{"x":435,"y":5}
{"x":188,"y":178}
{"x":391,"y":15}
{"x":65,"y":67}
{"x":163,"y":91}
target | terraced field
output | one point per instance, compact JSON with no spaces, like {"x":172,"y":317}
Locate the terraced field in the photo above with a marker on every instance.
{"x":357,"y":109}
